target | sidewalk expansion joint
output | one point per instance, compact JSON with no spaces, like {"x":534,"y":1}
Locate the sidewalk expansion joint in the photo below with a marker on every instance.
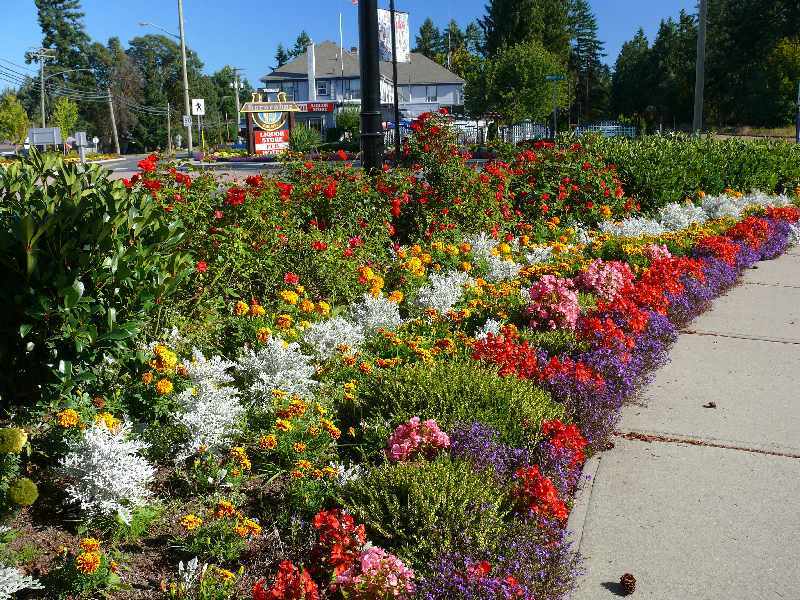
{"x":777,"y":285}
{"x":741,"y":336}
{"x":665,"y":439}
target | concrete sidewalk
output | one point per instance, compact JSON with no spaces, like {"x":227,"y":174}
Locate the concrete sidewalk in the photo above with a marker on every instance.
{"x":697,"y":502}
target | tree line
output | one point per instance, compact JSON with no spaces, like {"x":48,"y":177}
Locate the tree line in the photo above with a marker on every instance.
{"x":142,"y":78}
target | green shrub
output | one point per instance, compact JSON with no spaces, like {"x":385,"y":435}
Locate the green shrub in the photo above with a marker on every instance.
{"x":12,"y":440}
{"x":304,"y":139}
{"x":23,"y":492}
{"x":418,"y":510}
{"x":85,"y":264}
{"x":451,"y":392}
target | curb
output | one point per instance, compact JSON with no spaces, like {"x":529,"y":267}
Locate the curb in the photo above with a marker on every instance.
{"x":583,"y":497}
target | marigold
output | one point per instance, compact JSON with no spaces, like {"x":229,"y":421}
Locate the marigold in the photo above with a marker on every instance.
{"x":241,"y":308}
{"x":165,"y":361}
{"x":164,"y":387}
{"x":147,"y":378}
{"x":239,"y":455}
{"x":224,"y":575}
{"x":299,"y":447}
{"x":290,"y":297}
{"x":110,"y":421}
{"x":68,"y":418}
{"x":284,"y":322}
{"x":191,"y":522}
{"x":263,"y":334}
{"x":256,"y":310}
{"x":88,"y":562}
{"x":283,"y":425}
{"x":90,"y":544}
{"x":224,"y":509}
{"x":268,"y":442}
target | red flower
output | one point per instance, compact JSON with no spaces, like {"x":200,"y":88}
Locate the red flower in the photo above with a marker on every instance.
{"x":319,"y":245}
{"x":201,"y":266}
{"x":341,"y":154}
{"x":290,"y":584}
{"x":444,"y":111}
{"x":235,"y":196}
{"x":536,"y":493}
{"x":330,"y":190}
{"x":254,"y":180}
{"x":291,"y":278}
{"x":148,"y":165}
{"x":218,"y":214}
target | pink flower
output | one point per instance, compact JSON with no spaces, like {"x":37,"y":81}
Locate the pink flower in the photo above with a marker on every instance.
{"x":376,"y":574}
{"x":414,"y":438}
{"x":606,"y":279}
{"x":554,"y":303}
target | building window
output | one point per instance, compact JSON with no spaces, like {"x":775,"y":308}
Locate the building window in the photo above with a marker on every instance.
{"x":322,"y":88}
{"x":404,"y":93}
{"x":430,"y":93}
{"x":352,"y":89}
{"x":290,"y":89}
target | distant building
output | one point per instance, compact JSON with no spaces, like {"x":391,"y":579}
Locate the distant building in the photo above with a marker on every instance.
{"x":424,"y":85}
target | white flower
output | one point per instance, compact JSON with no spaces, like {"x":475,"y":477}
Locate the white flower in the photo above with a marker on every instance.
{"x":501,"y":269}
{"x":328,"y":335}
{"x":372,"y":314}
{"x":443,"y":291}
{"x":675,"y":216}
{"x":345,"y":475}
{"x":794,"y":235}
{"x":717,"y":207}
{"x":277,"y":366}
{"x":491,"y":326}
{"x":106,"y":473}
{"x":211,"y":413}
{"x":482,"y":244}
{"x":13,"y":580}
{"x":203,"y":370}
{"x":190,"y":573}
{"x":632,"y":227}
{"x":538,"y":255}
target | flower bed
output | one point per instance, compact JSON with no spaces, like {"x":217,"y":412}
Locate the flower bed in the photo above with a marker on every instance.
{"x":329,"y":385}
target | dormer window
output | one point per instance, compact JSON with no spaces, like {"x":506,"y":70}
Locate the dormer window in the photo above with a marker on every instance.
{"x":322,"y":88}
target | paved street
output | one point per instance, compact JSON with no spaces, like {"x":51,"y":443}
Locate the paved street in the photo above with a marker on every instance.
{"x":701,"y":502}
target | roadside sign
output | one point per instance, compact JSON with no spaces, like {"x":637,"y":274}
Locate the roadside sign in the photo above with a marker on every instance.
{"x":554,"y":77}
{"x":198,"y":107}
{"x":95,"y":140}
{"x":43,"y":136}
{"x":187,"y":121}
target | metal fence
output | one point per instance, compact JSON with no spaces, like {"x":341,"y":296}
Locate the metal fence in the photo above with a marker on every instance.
{"x":608,"y":129}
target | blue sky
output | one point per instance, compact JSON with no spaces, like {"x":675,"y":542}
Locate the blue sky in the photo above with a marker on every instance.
{"x":245,"y":34}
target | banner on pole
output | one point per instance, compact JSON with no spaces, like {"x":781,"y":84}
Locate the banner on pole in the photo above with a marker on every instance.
{"x":403,"y":38}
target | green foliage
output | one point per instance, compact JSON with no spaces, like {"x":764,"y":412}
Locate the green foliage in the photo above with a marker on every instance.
{"x":300,"y":44}
{"x":514,"y":82}
{"x":304,"y":139}
{"x":661,"y":169}
{"x":418,"y":510}
{"x":23,"y":492}
{"x":509,"y":22}
{"x":65,"y":116}
{"x":12,"y":440}
{"x":13,"y":119}
{"x":428,"y":40}
{"x":85,"y":261}
{"x":281,"y":56}
{"x":349,"y":121}
{"x":141,"y":519}
{"x":452,"y":392}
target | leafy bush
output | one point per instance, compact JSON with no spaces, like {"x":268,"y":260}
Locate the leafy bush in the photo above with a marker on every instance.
{"x":85,"y":261}
{"x":452,"y":393}
{"x":23,"y":492}
{"x":418,"y":510}
{"x":349,"y":121}
{"x":661,"y":169}
{"x":304,"y":139}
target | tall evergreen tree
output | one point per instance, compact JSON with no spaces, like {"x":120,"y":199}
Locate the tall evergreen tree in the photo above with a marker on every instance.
{"x":631,"y":72}
{"x":473,"y":38}
{"x":63,"y":30}
{"x":281,"y":56}
{"x":586,"y":56}
{"x":509,"y":22}
{"x":302,"y":42}
{"x":428,"y":40}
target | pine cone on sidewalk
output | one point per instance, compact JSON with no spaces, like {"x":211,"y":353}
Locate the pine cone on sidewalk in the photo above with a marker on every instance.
{"x":628,"y":584}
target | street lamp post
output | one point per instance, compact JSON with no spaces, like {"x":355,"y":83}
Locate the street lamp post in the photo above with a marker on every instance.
{"x":797,"y":125}
{"x":371,"y":133}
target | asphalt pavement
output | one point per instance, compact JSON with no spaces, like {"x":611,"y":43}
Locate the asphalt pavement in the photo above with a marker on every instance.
{"x":699,"y":497}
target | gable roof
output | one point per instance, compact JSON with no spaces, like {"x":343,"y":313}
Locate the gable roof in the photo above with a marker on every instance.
{"x":328,"y":64}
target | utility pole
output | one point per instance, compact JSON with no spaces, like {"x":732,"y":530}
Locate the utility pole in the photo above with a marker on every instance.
{"x":113,"y":120}
{"x":394,"y":79}
{"x":797,"y":125}
{"x":169,"y":132}
{"x":42,"y":55}
{"x":700,"y":69}
{"x":371,"y":133}
{"x":187,"y":107}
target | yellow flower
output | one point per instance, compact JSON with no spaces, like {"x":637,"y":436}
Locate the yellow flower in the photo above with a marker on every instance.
{"x":90,"y":544}
{"x":164,"y":387}
{"x":284,"y":321}
{"x":88,"y":562}
{"x":283,"y":425}
{"x":365,"y":368}
{"x":303,"y":464}
{"x":241,"y":308}
{"x":147,"y":378}
{"x":166,"y":359}
{"x":191,"y":522}
{"x":239,"y":455}
{"x":262,"y":335}
{"x":329,"y":471}
{"x":466,"y":267}
{"x":605,"y":210}
{"x":323,"y":308}
{"x":224,"y":509}
{"x":290,"y":297}
{"x":110,"y":421}
{"x":299,"y":447}
{"x":68,"y":418}
{"x":224,"y":575}
{"x":268,"y":442}
{"x":307,"y":306}
{"x":396,"y":297}
{"x":256,"y":310}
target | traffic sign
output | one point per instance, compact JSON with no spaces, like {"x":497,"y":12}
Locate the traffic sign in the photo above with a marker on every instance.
{"x":198,"y":107}
{"x":554,"y":77}
{"x":95,"y":140}
{"x":187,"y":121}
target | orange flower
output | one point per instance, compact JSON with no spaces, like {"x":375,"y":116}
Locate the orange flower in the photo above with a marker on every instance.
{"x":88,"y":562}
{"x":299,"y":447}
{"x":191,"y":522}
{"x":262,"y":335}
{"x":224,"y":509}
{"x":268,"y":442}
{"x":241,"y":308}
{"x":164,"y":387}
{"x":90,"y":544}
{"x":147,"y":378}
{"x":68,"y":418}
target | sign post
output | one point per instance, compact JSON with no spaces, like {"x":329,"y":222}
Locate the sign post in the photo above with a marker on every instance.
{"x":797,"y":125}
{"x":199,"y":111}
{"x":555,"y":79}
